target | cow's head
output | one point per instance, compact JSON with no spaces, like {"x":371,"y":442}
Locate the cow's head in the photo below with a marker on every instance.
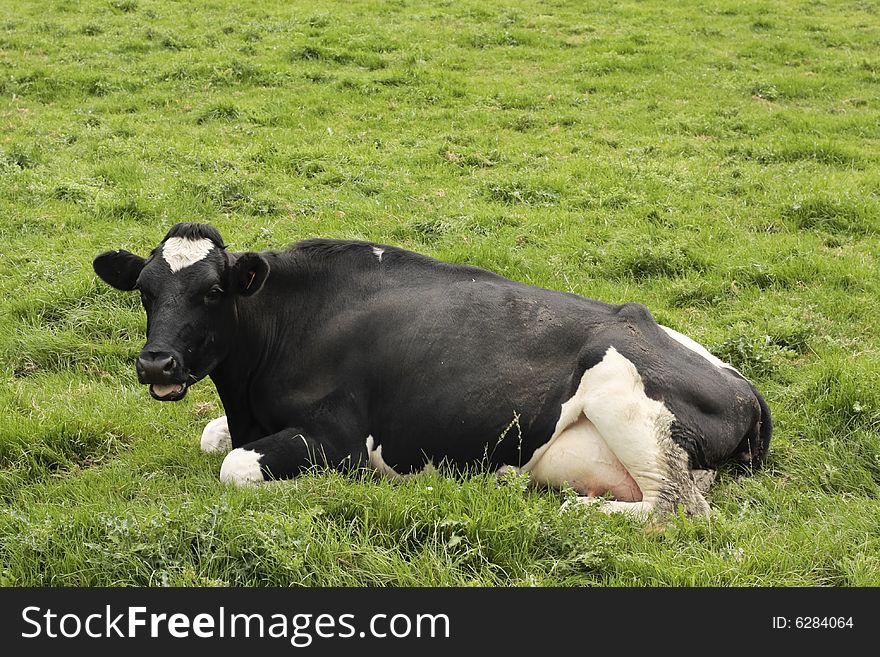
{"x":189,"y":286}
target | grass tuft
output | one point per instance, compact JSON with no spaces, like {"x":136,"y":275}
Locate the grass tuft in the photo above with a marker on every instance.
{"x":831,"y":215}
{"x":221,"y":112}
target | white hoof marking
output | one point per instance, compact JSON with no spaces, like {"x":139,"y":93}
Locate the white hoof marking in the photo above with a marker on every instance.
{"x":215,"y":437}
{"x":241,"y":467}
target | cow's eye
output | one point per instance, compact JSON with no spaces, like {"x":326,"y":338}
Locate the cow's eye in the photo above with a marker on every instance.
{"x":213,"y":295}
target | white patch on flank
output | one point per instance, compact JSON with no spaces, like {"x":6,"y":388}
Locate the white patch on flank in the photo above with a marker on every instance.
{"x":378,"y":252}
{"x":241,"y":467}
{"x":377,"y":463}
{"x":215,"y":437}
{"x":180,"y":252}
{"x":612,"y":438}
{"x":697,"y":347}
{"x":633,"y":426}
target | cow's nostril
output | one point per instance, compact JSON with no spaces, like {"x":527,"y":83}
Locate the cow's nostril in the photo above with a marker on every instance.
{"x":155,"y":366}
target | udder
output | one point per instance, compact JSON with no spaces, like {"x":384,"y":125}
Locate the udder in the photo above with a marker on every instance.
{"x":579,"y":457}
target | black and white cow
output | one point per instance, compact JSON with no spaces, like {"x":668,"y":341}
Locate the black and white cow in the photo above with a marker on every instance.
{"x":349,"y":354}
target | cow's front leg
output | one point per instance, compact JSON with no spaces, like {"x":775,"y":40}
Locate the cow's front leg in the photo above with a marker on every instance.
{"x":286,"y":454}
{"x":215,"y":437}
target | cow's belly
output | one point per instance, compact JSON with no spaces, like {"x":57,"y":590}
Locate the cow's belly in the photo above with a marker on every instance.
{"x":579,"y":457}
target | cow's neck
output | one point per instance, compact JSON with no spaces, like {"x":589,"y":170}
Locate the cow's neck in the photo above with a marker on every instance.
{"x":265,"y":327}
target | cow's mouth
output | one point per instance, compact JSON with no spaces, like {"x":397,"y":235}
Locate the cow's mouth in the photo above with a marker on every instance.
{"x":168,"y":392}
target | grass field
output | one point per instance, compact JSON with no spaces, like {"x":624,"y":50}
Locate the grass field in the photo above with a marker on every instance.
{"x":718,"y":163}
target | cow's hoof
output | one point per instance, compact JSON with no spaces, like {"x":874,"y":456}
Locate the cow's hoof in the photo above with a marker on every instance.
{"x":703,"y":479}
{"x":506,"y":471}
{"x":215,"y":437}
{"x":241,"y":467}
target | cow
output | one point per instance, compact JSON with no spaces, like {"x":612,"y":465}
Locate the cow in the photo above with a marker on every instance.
{"x":351,"y":354}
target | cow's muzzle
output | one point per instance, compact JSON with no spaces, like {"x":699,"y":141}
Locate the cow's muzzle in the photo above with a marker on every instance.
{"x":164,"y":374}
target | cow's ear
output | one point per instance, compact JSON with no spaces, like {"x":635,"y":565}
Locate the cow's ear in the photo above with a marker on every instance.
{"x":249,"y":273}
{"x":119,"y":268}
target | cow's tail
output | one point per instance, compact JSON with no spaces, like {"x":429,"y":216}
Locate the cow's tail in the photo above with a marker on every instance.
{"x":752,"y":451}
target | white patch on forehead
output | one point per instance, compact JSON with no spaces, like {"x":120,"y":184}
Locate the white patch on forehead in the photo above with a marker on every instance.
{"x":180,"y":252}
{"x":378,"y":252}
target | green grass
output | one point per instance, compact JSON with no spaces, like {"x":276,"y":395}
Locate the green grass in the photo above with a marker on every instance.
{"x":717,"y":163}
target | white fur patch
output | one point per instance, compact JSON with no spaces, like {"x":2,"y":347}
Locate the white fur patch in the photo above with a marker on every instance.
{"x":697,"y":347}
{"x":378,"y":252}
{"x":180,"y":252}
{"x":631,"y":423}
{"x":241,"y":467}
{"x":377,"y":463}
{"x":608,"y":436}
{"x":215,"y":437}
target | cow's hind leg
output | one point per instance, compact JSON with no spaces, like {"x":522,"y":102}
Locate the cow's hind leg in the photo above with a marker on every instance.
{"x":285,"y":455}
{"x":637,"y":429}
